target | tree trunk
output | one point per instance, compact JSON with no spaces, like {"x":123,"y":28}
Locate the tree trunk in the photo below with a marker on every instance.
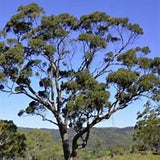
{"x":74,"y":156}
{"x":65,"y":142}
{"x":66,"y":150}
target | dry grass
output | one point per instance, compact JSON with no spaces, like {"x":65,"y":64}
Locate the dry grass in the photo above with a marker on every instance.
{"x":133,"y":157}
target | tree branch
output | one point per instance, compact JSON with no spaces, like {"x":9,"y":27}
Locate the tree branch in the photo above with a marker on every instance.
{"x":46,"y":119}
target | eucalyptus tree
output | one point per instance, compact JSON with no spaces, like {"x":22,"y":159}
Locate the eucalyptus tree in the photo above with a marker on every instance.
{"x":81,"y":70}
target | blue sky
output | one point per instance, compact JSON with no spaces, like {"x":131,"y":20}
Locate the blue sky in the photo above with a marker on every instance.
{"x":144,"y":12}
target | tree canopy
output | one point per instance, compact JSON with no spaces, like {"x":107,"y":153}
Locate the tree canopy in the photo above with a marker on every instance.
{"x":147,"y":129}
{"x":12,"y":143}
{"x":81,"y":70}
{"x":41,"y":146}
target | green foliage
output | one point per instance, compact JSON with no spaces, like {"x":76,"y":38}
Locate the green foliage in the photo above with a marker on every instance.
{"x":14,"y":55}
{"x":116,"y":150}
{"x":95,"y":41}
{"x":36,"y":43}
{"x":147,"y":82}
{"x":156,"y":65}
{"x":147,"y":130}
{"x":145,"y":63}
{"x":122,"y":77}
{"x":40,"y":146}
{"x":18,"y":23}
{"x":128,"y":58}
{"x":2,"y":77}
{"x":12,"y":143}
{"x":45,"y":82}
{"x":56,"y":26}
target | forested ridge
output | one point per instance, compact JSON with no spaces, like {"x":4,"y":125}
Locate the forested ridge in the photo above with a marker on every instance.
{"x":110,"y":136}
{"x":45,"y":144}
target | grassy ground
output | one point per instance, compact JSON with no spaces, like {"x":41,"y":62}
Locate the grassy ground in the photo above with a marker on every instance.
{"x":132,"y":157}
{"x":86,"y":154}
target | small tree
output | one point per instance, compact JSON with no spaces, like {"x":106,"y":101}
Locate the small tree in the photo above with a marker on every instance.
{"x":12,"y":143}
{"x":116,"y":150}
{"x":73,"y":68}
{"x":147,"y":130}
{"x":41,"y":146}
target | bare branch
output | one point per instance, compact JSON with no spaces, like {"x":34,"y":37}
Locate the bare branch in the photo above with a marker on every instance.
{"x":46,"y":119}
{"x":41,"y":100}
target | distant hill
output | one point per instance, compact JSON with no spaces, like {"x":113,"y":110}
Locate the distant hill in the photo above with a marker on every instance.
{"x":112,"y":136}
{"x":105,"y":137}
